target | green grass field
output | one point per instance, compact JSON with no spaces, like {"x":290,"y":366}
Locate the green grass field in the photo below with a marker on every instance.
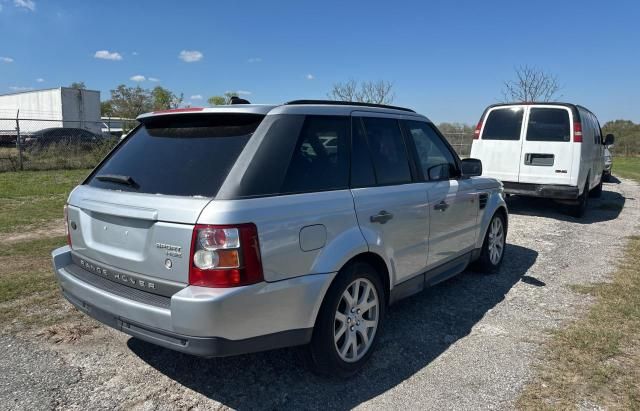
{"x":627,"y":167}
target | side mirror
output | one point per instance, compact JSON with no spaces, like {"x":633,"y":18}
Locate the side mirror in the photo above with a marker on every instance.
{"x":471,"y":167}
{"x":609,"y":139}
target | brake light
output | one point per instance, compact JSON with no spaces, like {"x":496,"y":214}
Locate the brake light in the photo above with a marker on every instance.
{"x":577,"y":132}
{"x":66,"y":224}
{"x":476,"y":133}
{"x":225,"y":256}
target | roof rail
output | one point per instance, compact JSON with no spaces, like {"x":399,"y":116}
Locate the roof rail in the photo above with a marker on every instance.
{"x":347,"y":103}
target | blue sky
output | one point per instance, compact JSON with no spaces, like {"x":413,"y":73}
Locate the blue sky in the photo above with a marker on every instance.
{"x":446,"y":59}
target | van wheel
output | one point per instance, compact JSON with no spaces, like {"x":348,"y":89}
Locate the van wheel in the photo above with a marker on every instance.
{"x":349,"y":322}
{"x":493,"y":246}
{"x":577,"y":210}
{"x":597,"y":191}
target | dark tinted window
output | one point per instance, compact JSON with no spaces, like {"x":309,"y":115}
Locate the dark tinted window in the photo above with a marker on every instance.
{"x":436,"y":160}
{"x":319,"y":161}
{"x":362,"y":174}
{"x":548,"y":124}
{"x":179,"y":155}
{"x":503,"y":124}
{"x":388,"y":151}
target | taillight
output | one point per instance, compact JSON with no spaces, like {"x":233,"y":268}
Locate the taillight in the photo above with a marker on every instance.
{"x":225,"y":256}
{"x":577,"y":132}
{"x":476,"y":133}
{"x":66,"y":224}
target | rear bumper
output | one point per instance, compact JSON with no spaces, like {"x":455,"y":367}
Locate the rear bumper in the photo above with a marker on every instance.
{"x":556,"y":192}
{"x":203,"y":321}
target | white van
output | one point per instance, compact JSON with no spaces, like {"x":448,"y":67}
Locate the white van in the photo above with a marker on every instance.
{"x":551,"y":150}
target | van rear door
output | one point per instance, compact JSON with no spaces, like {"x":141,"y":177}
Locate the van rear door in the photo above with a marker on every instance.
{"x":547,"y":149}
{"x":499,"y":145}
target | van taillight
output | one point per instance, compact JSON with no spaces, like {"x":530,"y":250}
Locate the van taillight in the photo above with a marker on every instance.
{"x":476,"y":133}
{"x":66,"y":224}
{"x":577,"y":132}
{"x":225,"y":256}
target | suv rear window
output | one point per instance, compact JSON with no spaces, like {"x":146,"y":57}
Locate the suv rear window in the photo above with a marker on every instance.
{"x":548,"y":124}
{"x":185,"y":155}
{"x":503,"y":124}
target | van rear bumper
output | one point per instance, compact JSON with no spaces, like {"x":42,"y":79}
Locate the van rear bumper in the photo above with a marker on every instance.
{"x":202,"y":321}
{"x":553,"y":191}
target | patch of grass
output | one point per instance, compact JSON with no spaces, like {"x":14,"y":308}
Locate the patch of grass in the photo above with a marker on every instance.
{"x":30,"y":197}
{"x":627,"y":167}
{"x":596,"y":360}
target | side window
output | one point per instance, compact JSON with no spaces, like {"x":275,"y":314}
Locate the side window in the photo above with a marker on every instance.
{"x":362,"y":174}
{"x":598,"y":131}
{"x":319,"y":161}
{"x":503,"y":124}
{"x":388,"y":151}
{"x":436,"y":160}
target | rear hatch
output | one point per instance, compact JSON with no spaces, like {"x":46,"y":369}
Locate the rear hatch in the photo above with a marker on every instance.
{"x":547,"y":149}
{"x":134,"y":215}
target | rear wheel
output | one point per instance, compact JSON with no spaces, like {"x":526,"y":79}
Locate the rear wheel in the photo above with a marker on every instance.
{"x":493,"y":246}
{"x":348,"y":323}
{"x":597,"y":191}
{"x":577,"y":210}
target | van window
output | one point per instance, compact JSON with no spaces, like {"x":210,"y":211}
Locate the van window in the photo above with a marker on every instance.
{"x":436,"y":160}
{"x":319,"y":161}
{"x":503,"y":124}
{"x":548,"y":124}
{"x":185,"y":155}
{"x":388,"y":150}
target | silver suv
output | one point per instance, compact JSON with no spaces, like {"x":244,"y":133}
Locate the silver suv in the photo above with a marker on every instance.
{"x":241,"y":228}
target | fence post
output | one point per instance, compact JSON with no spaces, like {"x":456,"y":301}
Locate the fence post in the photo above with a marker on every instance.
{"x":18,"y":141}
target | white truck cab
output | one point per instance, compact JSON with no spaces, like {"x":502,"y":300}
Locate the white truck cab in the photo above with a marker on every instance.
{"x":552,"y":150}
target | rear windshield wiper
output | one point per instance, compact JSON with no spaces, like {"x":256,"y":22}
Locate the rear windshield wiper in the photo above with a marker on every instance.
{"x":117,"y":178}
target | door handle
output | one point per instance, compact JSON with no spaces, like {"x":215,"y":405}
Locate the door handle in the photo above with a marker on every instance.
{"x":441,"y":206}
{"x":382,"y":217}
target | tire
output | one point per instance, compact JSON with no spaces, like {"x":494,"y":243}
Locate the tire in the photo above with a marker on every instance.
{"x":580,"y":208}
{"x":339,"y":357}
{"x":493,"y":246}
{"x":607,"y":177}
{"x":597,"y":191}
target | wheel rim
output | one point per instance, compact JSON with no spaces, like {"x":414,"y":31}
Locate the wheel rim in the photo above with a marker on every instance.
{"x":356,"y":320}
{"x":496,"y":240}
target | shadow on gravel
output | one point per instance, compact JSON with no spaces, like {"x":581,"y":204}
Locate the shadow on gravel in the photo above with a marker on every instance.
{"x":605,"y":208}
{"x":417,"y":331}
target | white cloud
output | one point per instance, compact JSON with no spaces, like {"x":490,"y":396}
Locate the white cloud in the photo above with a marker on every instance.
{"x":138,"y":78}
{"x":19,"y":88}
{"x":309,"y":76}
{"x":153,"y":79}
{"x":25,"y":4}
{"x":255,"y":60}
{"x":107,"y":55}
{"x":134,"y":53}
{"x":190,"y":56}
{"x":6,"y":60}
{"x":196,"y":97}
{"x":40,"y":80}
{"x":0,"y":7}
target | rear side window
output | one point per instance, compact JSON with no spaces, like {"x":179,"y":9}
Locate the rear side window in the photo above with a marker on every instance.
{"x":548,"y":124}
{"x":186,"y":155}
{"x":503,"y":124}
{"x":319,"y":161}
{"x":388,"y":151}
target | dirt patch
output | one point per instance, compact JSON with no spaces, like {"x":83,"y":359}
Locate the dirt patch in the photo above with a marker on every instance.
{"x":53,"y":228}
{"x":67,"y":333}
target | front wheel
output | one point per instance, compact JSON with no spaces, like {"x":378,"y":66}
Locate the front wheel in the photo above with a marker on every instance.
{"x":349,"y":322}
{"x":493,"y":246}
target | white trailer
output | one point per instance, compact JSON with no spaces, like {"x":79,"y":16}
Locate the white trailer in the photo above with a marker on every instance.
{"x":56,"y":107}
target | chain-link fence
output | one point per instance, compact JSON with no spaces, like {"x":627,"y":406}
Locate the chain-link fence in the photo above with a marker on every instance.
{"x":461,"y":142}
{"x":45,"y":144}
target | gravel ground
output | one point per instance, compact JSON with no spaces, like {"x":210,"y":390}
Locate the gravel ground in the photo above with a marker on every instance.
{"x":469,"y":343}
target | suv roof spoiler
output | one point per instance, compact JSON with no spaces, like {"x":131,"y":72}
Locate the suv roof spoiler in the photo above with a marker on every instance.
{"x":346,"y":103}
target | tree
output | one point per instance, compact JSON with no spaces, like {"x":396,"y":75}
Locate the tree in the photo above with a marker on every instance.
{"x":78,"y":85}
{"x":530,"y":84}
{"x":222,"y":100}
{"x":163,"y":99}
{"x":627,"y":135}
{"x":379,"y":92}
{"x":106,"y":109}
{"x":130,"y":102}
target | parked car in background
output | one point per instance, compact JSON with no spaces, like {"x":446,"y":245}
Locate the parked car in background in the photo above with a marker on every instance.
{"x":61,"y":136}
{"x":242,"y":228}
{"x":608,"y":164}
{"x":551,"y":150}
